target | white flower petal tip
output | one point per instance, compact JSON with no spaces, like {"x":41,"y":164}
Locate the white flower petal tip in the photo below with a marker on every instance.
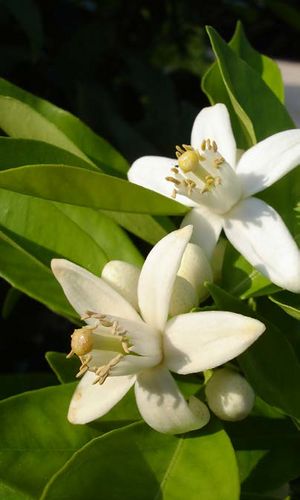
{"x":229,"y":395}
{"x":91,"y":401}
{"x":158,"y":275}
{"x":268,"y":161}
{"x":213,"y":123}
{"x":199,"y":341}
{"x":164,"y":408}
{"x":123,"y":277}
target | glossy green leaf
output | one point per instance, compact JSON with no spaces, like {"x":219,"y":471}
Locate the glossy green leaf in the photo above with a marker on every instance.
{"x":289,"y":302}
{"x":24,"y":115}
{"x":64,"y":369}
{"x":241,"y":279}
{"x":268,"y":452}
{"x":150,"y":229}
{"x":270,"y":364}
{"x":29,"y":275}
{"x":36,"y":440}
{"x":81,"y":187}
{"x":263,"y":65}
{"x":201,"y":465}
{"x":18,"y":152}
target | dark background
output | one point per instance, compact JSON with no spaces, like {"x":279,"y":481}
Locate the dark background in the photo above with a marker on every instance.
{"x":132,"y":71}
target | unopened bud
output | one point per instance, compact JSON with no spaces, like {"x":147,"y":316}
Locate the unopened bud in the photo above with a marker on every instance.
{"x":123,"y":277}
{"x":229,"y":395}
{"x":196,"y":269}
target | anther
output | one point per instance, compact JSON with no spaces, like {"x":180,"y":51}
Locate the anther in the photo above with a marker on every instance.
{"x":172,"y":179}
{"x":175,"y":170}
{"x":214,"y":146}
{"x":173,"y":194}
{"x":219,"y":161}
{"x":203,"y":145}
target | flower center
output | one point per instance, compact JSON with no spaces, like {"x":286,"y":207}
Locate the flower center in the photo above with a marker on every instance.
{"x":205,"y":177}
{"x":104,"y":335}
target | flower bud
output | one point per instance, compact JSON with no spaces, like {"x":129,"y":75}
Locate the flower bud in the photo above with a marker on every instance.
{"x":122,"y":277}
{"x":195,"y":268}
{"x":229,"y":395}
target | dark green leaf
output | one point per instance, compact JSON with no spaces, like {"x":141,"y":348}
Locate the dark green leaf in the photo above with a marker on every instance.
{"x":65,"y":369}
{"x":26,"y":273}
{"x":18,"y":152}
{"x":201,"y":465}
{"x":36,"y":440}
{"x":268,"y":452}
{"x":11,"y":384}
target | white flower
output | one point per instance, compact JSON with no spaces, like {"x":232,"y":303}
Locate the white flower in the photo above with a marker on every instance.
{"x":229,"y":395}
{"x":208,"y":177}
{"x":121,"y":347}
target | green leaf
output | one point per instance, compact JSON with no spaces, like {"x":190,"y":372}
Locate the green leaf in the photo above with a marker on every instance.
{"x":268,"y":452}
{"x":18,"y":152}
{"x":81,"y":187}
{"x":65,"y":369}
{"x":36,"y":440}
{"x":161,"y":466}
{"x":270,"y":364}
{"x":263,"y":65}
{"x":24,"y":115}
{"x":11,"y":299}
{"x":289,"y":303}
{"x":241,"y":279}
{"x":150,"y":229}
{"x":26,"y":273}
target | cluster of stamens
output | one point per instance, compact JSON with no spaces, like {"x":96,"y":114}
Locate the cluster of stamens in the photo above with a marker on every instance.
{"x":195,"y":169}
{"x":82,"y":344}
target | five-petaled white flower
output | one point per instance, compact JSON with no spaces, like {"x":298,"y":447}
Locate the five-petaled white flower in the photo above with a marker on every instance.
{"x":208,"y":177}
{"x":121,"y":347}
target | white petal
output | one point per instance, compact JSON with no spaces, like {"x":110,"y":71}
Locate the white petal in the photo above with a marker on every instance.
{"x":207,"y":228}
{"x":151,"y":172}
{"x":158,"y":275}
{"x":268,"y":161}
{"x":259,"y":234}
{"x":87,"y":292}
{"x":214,"y":123}
{"x":198,"y":341}
{"x":162,"y":405}
{"x":93,"y":401}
